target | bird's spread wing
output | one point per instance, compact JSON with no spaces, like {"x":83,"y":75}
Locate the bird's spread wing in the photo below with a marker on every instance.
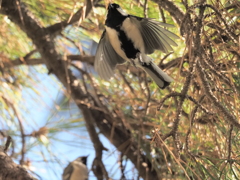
{"x":106,"y":58}
{"x":155,"y":36}
{"x":67,"y":172}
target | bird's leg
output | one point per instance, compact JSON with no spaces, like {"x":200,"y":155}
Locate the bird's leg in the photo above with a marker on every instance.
{"x":140,"y":59}
{"x":133,"y":62}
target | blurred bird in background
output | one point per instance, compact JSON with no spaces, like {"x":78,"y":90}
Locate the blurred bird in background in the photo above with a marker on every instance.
{"x":131,"y":38}
{"x":76,"y":170}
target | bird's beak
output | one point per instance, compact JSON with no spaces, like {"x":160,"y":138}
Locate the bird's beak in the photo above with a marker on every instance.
{"x":110,"y":6}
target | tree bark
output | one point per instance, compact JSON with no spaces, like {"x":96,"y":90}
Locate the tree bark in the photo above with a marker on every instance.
{"x":11,"y":171}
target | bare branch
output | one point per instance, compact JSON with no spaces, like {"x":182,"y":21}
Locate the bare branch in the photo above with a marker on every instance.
{"x":98,"y":146}
{"x":20,"y":122}
{"x":54,"y":61}
{"x":174,"y":11}
{"x":145,"y":9}
{"x":11,"y":171}
{"x":229,"y":117}
{"x":81,"y":14}
{"x":230,"y":143}
{"x":39,"y":61}
{"x":8,"y":142}
{"x":228,"y":30}
{"x":192,"y":116}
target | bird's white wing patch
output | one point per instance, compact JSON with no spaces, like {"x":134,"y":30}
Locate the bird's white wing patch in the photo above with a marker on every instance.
{"x":131,"y":27}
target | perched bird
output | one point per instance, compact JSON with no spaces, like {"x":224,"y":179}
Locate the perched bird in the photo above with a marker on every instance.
{"x":131,"y":38}
{"x":76,"y":170}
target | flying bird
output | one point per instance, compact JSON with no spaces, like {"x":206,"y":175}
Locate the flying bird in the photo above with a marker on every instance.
{"x":131,"y":38}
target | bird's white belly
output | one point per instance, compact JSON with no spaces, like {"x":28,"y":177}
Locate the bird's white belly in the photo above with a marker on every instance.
{"x":80,"y":173}
{"x":115,"y":42}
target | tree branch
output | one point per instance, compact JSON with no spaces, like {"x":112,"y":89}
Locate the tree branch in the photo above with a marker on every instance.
{"x":55,"y":62}
{"x":79,"y":16}
{"x":98,"y":146}
{"x":229,"y":117}
{"x":39,"y":61}
{"x":20,"y":122}
{"x":174,"y":11}
{"x":11,"y":171}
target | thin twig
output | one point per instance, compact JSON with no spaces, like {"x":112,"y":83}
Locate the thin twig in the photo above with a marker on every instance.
{"x":192,"y":116}
{"x":20,"y":122}
{"x":145,"y":8}
{"x":98,"y":146}
{"x":232,"y":6}
{"x":176,"y":158}
{"x":122,"y":168}
{"x":230,"y":143}
{"x":188,"y":81}
{"x":228,"y":30}
{"x":78,"y":46}
{"x":162,"y":13}
{"x":127,"y":83}
{"x":148,"y":95}
{"x":8,"y":142}
{"x":229,"y":117}
{"x":81,"y":13}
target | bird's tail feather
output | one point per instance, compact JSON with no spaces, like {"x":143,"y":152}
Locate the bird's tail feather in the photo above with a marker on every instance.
{"x":157,"y":75}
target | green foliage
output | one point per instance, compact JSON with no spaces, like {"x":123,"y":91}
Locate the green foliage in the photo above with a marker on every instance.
{"x":200,"y":143}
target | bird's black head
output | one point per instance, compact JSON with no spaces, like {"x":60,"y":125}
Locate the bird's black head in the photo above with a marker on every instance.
{"x":115,"y":15}
{"x":82,"y":159}
{"x":113,"y":6}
